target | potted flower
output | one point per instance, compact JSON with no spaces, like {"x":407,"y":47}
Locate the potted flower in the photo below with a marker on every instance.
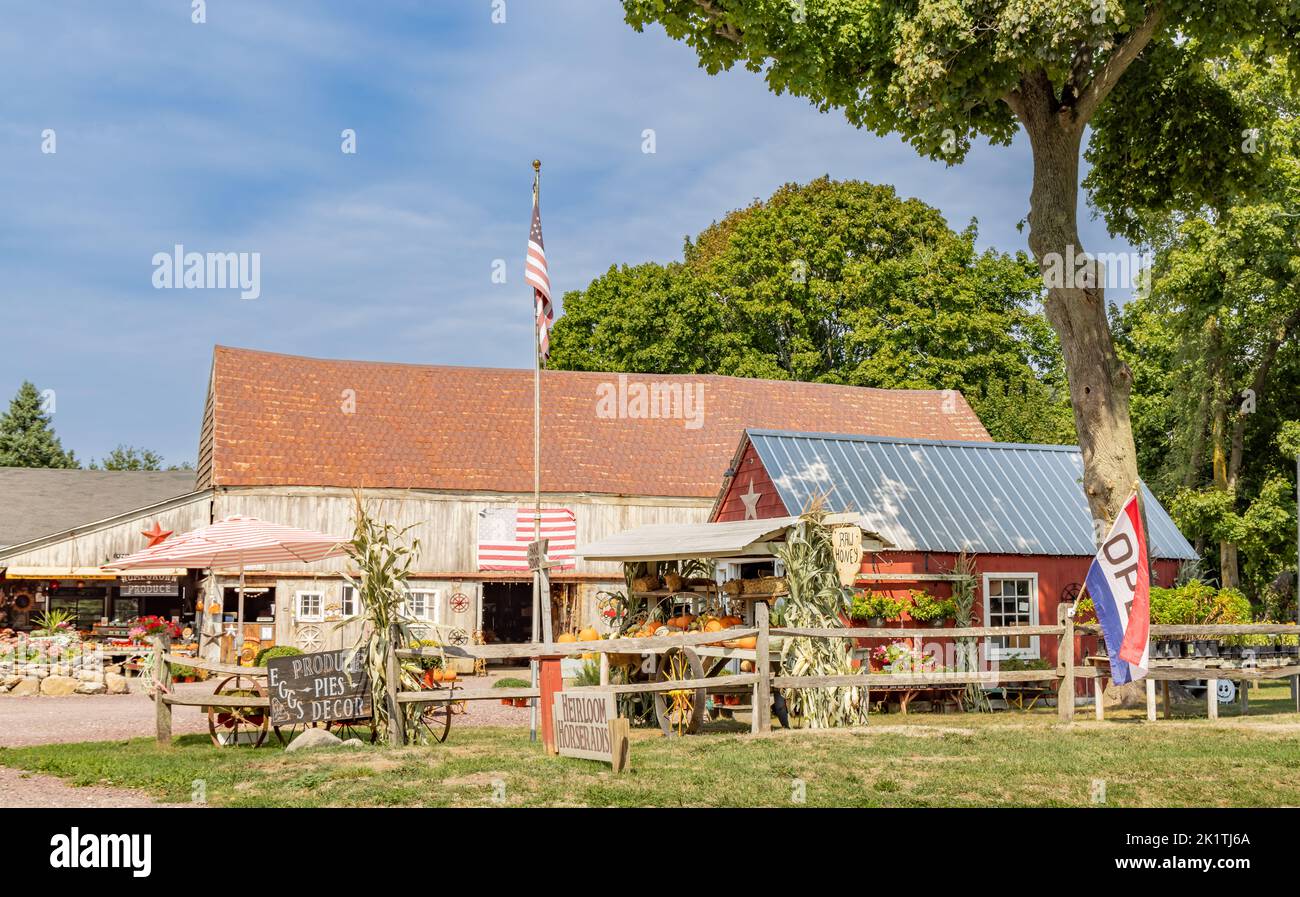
{"x":513,"y":682}
{"x":431,"y":666}
{"x":875,"y":608}
{"x":928,"y":609}
{"x":182,"y":673}
{"x":878,"y":657}
{"x":144,"y":627}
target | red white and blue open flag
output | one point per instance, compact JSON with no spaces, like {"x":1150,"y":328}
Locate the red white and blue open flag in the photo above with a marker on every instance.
{"x":537,"y":274}
{"x":1119,"y":583}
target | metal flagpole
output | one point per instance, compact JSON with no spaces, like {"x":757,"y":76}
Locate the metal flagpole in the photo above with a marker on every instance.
{"x":537,"y":467}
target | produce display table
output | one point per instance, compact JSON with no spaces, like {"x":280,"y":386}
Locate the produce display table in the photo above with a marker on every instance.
{"x":942,"y":694}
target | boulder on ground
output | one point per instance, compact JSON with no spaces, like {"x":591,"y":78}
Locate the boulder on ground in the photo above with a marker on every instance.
{"x":312,"y":739}
{"x":58,"y":686}
{"x":10,"y":681}
{"x":116,"y":683}
{"x":26,"y":687}
{"x":1130,"y":696}
{"x":91,"y":688}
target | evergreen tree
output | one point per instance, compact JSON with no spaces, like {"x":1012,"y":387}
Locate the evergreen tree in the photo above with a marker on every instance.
{"x":26,"y":437}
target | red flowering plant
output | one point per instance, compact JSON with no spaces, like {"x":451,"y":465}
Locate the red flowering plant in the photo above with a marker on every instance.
{"x":143,"y":627}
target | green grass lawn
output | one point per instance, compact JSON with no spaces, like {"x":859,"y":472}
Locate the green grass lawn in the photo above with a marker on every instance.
{"x":1003,"y":759}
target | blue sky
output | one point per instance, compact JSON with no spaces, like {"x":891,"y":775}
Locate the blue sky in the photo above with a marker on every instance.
{"x":225,"y":136}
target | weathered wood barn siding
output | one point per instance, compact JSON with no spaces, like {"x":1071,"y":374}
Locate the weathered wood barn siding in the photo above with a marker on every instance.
{"x":446,"y":524}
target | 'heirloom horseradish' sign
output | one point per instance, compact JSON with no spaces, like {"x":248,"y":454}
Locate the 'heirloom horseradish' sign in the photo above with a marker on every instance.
{"x":318,"y":688}
{"x":587,"y":726}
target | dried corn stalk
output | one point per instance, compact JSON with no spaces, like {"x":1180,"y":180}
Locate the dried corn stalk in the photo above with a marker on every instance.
{"x":816,"y":600}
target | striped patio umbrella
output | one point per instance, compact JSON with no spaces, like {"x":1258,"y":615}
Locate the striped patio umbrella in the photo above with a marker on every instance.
{"x":236,"y":541}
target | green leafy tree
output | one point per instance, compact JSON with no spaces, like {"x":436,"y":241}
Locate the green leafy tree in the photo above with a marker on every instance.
{"x":943,"y":72}
{"x":834,"y":282}
{"x":128,"y":457}
{"x":27,"y":436}
{"x":1212,"y":342}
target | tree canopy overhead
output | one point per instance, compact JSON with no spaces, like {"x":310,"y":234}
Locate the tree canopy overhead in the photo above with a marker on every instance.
{"x":1213,"y":342}
{"x":941,"y":72}
{"x":837,"y":282}
{"x":128,"y":457}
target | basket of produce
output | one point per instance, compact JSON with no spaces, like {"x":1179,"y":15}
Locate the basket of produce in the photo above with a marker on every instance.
{"x":645,"y":584}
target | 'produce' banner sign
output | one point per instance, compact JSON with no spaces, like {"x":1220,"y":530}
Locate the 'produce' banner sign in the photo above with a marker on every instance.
{"x":1119,"y":583}
{"x":318,"y":688}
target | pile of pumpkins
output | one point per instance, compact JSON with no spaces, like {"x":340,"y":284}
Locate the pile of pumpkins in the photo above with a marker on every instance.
{"x":673,"y":626}
{"x":587,"y":634}
{"x":691,"y":623}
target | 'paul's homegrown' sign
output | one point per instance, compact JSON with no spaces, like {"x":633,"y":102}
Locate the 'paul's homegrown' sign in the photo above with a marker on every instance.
{"x":318,"y":688}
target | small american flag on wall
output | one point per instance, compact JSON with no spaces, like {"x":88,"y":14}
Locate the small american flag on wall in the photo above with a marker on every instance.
{"x":504,"y":534}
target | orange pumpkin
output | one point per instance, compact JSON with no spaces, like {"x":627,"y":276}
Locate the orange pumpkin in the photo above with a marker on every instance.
{"x":589,"y":634}
{"x":566,"y":637}
{"x":713,"y":626}
{"x":749,"y":641}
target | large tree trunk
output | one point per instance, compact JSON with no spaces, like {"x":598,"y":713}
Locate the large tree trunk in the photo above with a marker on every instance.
{"x":1218,"y":435}
{"x":1099,"y":380}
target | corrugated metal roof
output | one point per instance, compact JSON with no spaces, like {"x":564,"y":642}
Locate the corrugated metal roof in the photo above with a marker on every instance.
{"x":986,"y":497}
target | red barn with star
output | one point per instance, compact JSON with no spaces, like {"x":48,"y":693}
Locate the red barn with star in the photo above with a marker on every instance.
{"x":1018,"y":509}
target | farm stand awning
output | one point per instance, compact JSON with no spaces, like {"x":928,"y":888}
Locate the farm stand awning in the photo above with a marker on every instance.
{"x":734,"y":539}
{"x":235,"y":541}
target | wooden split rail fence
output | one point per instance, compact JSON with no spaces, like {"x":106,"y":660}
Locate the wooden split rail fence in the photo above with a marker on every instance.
{"x":762,"y":681}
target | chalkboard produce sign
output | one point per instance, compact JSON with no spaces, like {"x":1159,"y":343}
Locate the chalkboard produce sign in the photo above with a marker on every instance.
{"x":318,"y":688}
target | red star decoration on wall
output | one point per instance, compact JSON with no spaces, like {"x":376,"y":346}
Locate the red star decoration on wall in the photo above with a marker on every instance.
{"x":156,"y":535}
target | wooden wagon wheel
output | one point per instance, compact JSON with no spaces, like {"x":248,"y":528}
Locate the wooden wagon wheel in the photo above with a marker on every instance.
{"x":435,"y":722}
{"x":226,"y":723}
{"x":286,"y":734}
{"x":679,"y":712}
{"x":361,"y":728}
{"x":309,"y":639}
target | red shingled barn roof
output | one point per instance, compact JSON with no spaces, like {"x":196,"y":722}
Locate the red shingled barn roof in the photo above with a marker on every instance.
{"x":279,"y":420}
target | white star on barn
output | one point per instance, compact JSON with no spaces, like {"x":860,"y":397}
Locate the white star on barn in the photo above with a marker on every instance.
{"x":750,"y":500}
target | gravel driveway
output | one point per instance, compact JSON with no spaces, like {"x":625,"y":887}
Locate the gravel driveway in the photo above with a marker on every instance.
{"x":45,"y":720}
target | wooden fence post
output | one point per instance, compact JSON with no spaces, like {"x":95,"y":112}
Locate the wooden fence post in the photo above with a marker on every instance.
{"x":550,"y":682}
{"x":1151,"y":700}
{"x":396,"y":718}
{"x":162,"y":685}
{"x":1065,"y":663}
{"x":1212,"y":698}
{"x":1099,"y":697}
{"x":763,"y":687}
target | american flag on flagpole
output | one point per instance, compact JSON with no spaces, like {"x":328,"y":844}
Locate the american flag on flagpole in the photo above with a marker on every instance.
{"x":504,"y":534}
{"x":535,"y":273}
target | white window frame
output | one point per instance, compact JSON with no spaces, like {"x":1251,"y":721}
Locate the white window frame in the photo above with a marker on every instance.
{"x":993,"y":652}
{"x":348,"y":595}
{"x":298,"y":612}
{"x":432,"y":604}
